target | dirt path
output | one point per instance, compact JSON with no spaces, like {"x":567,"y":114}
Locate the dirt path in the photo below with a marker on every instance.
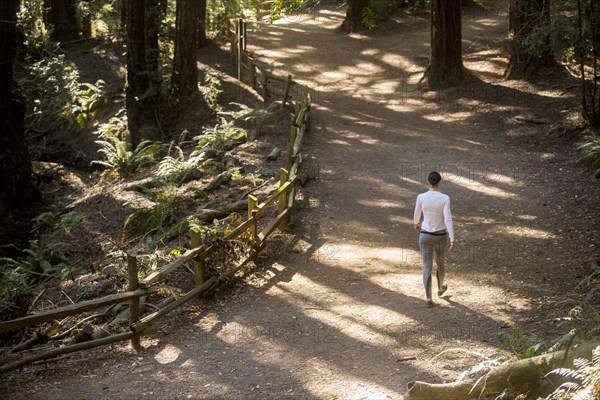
{"x":335,"y":317}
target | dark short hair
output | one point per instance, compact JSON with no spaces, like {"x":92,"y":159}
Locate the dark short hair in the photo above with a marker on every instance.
{"x":434,"y":178}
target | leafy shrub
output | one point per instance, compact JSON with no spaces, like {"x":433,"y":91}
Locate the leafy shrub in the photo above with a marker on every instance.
{"x":37,"y":36}
{"x":46,"y":258}
{"x":13,"y":283}
{"x":368,"y":18}
{"x":54,"y":90}
{"x":213,"y":86}
{"x":590,"y":152}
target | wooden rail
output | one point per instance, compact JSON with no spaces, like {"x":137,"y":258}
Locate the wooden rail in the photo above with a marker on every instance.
{"x":283,"y":198}
{"x":267,"y":84}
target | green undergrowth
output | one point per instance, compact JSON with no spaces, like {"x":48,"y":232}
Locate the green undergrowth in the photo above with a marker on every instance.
{"x":47,"y":258}
{"x":581,"y":323}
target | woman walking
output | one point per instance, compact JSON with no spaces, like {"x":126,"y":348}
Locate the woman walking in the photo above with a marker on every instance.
{"x":436,"y":226}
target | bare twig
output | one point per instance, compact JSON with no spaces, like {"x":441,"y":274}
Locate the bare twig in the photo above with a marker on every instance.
{"x":66,"y":333}
{"x":71,"y":300}
{"x":35,"y":301}
{"x":254,"y":189}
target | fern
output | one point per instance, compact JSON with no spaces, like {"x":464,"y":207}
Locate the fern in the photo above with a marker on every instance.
{"x":590,"y":152}
{"x":585,"y":375}
{"x":120,"y":158}
{"x":255,"y":117}
{"x":175,"y":168}
{"x":218,"y":136}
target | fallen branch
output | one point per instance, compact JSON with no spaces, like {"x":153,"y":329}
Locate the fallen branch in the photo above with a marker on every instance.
{"x":218,"y":181}
{"x":40,"y":337}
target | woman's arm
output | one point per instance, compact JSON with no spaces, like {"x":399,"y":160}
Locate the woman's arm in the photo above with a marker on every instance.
{"x":448,"y":220}
{"x":417,"y":215}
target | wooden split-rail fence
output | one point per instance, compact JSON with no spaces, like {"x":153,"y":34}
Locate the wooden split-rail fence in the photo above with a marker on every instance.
{"x":254,"y":229}
{"x":270,"y":86}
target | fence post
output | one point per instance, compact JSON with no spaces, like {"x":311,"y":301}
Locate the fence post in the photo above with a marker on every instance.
{"x":283,"y":197}
{"x":283,"y":201}
{"x":252,"y":70}
{"x":134,"y":304}
{"x":290,"y":147}
{"x":238,"y":35}
{"x":265,"y":83}
{"x":196,"y":240}
{"x":286,"y":92}
{"x":252,"y":203}
{"x":243,"y":35}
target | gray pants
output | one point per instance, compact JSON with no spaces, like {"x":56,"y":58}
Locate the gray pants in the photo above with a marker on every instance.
{"x":433,"y":246}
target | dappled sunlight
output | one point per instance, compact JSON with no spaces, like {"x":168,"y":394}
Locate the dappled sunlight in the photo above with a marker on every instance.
{"x":479,"y":187}
{"x":527,"y":217}
{"x":370,"y":52}
{"x":523,"y":231}
{"x":169,"y":354}
{"x":344,"y":255}
{"x":450,"y":117}
{"x":471,"y":142}
{"x":341,"y":312}
{"x":340,"y":142}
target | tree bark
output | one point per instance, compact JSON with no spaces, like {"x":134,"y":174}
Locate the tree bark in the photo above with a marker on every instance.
{"x":202,"y":40}
{"x":446,"y":65}
{"x":123,"y":13}
{"x":62,"y":15}
{"x":15,"y":162}
{"x":184,"y":81}
{"x":353,"y":20}
{"x":524,"y":17}
{"x":141,"y":110}
{"x":154,"y":17}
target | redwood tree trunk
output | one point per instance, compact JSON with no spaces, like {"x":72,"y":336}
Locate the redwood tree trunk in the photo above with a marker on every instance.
{"x":524,"y":17}
{"x":445,"y":66}
{"x":141,"y":110}
{"x":184,"y":81}
{"x":202,"y":40}
{"x":353,"y":21}
{"x":62,"y":15}
{"x":153,"y":20}
{"x":15,"y":163}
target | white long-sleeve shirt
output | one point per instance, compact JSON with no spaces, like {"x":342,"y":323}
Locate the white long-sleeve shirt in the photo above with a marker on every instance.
{"x":435,"y":207}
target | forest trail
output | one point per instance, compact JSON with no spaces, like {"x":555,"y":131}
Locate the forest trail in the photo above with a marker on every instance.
{"x":342,"y":314}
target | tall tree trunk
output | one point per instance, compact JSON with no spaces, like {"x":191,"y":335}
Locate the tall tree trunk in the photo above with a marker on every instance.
{"x":62,"y":15}
{"x":15,"y":163}
{"x":353,"y":20}
{"x":184,"y":81}
{"x":123,"y":13}
{"x":141,"y":110}
{"x":202,"y":40}
{"x":524,"y":17}
{"x":153,"y":21}
{"x":446,"y":65}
